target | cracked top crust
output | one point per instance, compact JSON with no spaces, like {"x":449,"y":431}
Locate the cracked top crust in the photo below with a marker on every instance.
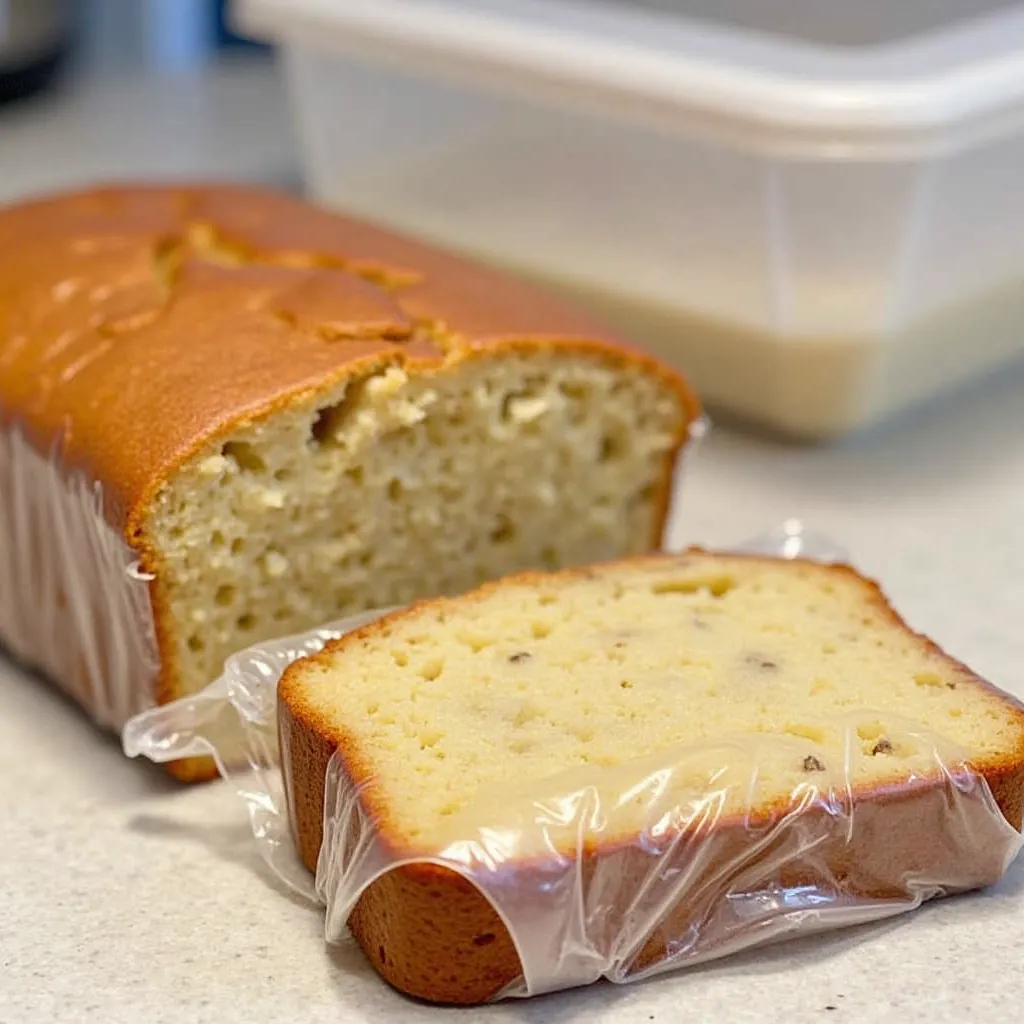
{"x":136,"y":323}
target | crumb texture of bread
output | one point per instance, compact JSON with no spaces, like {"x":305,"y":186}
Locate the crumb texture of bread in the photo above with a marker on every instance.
{"x":288,"y":417}
{"x":391,"y":488}
{"x":701,"y":695}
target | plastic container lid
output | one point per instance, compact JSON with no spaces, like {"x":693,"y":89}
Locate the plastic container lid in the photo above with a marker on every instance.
{"x":875,"y":74}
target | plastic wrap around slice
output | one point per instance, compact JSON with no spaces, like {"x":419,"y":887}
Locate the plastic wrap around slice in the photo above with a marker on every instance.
{"x":626,"y":871}
{"x":665,"y":862}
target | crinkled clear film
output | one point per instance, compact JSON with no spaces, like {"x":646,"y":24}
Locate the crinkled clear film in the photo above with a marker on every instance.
{"x":627,"y":871}
{"x":73,"y":603}
{"x":242,"y":701}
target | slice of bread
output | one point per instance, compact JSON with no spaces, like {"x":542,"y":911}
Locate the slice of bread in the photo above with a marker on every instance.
{"x":750,"y":680}
{"x":287,"y":417}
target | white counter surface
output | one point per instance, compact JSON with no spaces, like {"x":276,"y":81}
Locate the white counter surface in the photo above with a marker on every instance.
{"x":126,"y":898}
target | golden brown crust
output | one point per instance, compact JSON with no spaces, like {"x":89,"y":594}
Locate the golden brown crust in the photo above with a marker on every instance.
{"x":142,"y":321}
{"x":140,"y":324}
{"x":431,"y":934}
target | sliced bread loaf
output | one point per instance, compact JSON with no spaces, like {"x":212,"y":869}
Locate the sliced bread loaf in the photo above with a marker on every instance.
{"x":286,"y":417}
{"x":758,"y":684}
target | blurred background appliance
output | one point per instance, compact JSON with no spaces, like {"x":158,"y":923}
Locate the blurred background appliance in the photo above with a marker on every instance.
{"x":35,"y":36}
{"x":40,"y":38}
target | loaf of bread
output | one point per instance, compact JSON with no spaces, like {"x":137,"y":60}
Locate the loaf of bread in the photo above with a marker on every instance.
{"x":564,"y":723}
{"x":226,"y":416}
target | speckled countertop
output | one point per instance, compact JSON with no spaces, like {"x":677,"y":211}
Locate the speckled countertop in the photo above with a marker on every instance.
{"x":125,"y":898}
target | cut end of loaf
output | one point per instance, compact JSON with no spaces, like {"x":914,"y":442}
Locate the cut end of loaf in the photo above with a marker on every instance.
{"x":450,"y":709}
{"x":396,"y":484}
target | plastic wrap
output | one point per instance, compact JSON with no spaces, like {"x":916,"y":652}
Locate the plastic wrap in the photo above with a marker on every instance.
{"x":627,"y":871}
{"x":73,"y":603}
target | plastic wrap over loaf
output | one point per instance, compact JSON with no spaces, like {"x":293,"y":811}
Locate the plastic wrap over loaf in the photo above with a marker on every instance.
{"x":628,"y":870}
{"x":73,"y":604}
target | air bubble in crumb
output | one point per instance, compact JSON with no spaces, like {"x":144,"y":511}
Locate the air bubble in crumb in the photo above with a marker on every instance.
{"x":504,"y":532}
{"x":431,"y":669}
{"x":576,"y":391}
{"x":526,"y":714}
{"x":326,"y":428}
{"x":611,"y":448}
{"x":476,"y":642}
{"x":225,"y":595}
{"x":717,"y":586}
{"x":808,"y":732}
{"x":245,"y":456}
{"x":870,"y":730}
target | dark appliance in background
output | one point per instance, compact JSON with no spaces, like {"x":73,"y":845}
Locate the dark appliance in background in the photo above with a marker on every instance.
{"x":35,"y":39}
{"x":39,"y":38}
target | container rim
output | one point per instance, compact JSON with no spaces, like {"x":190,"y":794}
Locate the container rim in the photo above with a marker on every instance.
{"x":967,"y":76}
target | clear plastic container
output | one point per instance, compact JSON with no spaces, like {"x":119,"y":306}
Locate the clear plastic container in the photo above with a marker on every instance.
{"x":814,"y":208}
